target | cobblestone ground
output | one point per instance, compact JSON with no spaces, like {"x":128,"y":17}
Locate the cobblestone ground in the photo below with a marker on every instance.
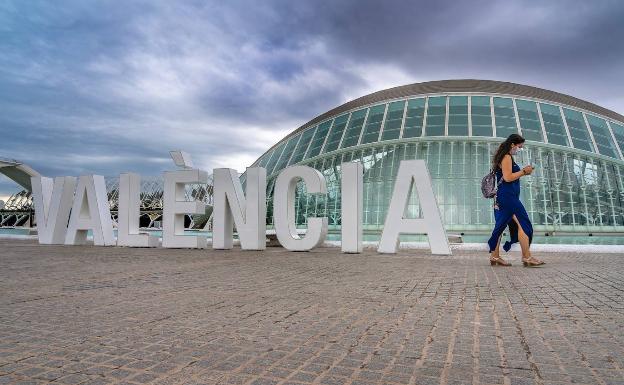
{"x":72,"y":315}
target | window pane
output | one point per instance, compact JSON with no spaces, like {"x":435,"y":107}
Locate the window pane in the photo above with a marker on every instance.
{"x":318,"y":140}
{"x":352,"y":135}
{"x":529,"y":120}
{"x":275,"y":158}
{"x":414,"y":118}
{"x":601,"y":136}
{"x":436,"y":114}
{"x":458,"y":116}
{"x":578,"y":130}
{"x":618,"y":132}
{"x":481,"y":116}
{"x":265,"y":159}
{"x":394,"y":118}
{"x":302,"y":146}
{"x":336,"y":133}
{"x":373,"y":124}
{"x":287,"y":153}
{"x":243,"y":180}
{"x":505,"y":118}
{"x":554,"y":125}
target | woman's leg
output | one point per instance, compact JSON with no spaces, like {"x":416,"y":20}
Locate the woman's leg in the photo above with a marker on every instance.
{"x":496,"y":253}
{"x":502,"y":218}
{"x":524,"y":240}
{"x":495,"y":258}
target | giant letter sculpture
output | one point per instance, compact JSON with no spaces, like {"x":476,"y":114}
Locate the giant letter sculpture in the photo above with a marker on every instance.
{"x":352,"y":207}
{"x":175,"y":207}
{"x":231,"y":207}
{"x":53,"y":201}
{"x":413,"y":171}
{"x":284,"y":208}
{"x":129,"y":211}
{"x":90,"y":212}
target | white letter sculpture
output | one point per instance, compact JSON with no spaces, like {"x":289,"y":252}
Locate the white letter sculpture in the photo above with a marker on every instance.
{"x":352,"y":207}
{"x":284,"y":208}
{"x":90,"y":212}
{"x":231,"y":207}
{"x":53,"y":201}
{"x":175,"y":207}
{"x":413,"y":171}
{"x":128,"y":217}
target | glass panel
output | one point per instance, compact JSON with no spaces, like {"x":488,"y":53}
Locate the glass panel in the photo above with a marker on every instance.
{"x":275,"y":158}
{"x":578,"y":130}
{"x":287,"y":153}
{"x":436,"y":114}
{"x":394,"y":118}
{"x":319,"y":139}
{"x":505,"y":118}
{"x":352,"y":135}
{"x":567,"y":192}
{"x":529,"y":120}
{"x":481,"y":116}
{"x":243,"y":180}
{"x":602,"y":137}
{"x":302,"y":146}
{"x":618,"y":132}
{"x":555,"y":130}
{"x":373,"y":124}
{"x":458,"y":116}
{"x":336,"y":133}
{"x":265,"y":159}
{"x":414,"y":118}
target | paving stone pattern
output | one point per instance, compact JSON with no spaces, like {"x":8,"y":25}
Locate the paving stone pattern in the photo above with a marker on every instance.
{"x":93,"y":315}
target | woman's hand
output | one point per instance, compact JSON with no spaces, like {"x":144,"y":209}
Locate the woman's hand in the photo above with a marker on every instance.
{"x":528,"y":170}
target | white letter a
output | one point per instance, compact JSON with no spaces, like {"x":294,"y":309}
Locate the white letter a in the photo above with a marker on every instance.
{"x":413,"y":171}
{"x":90,"y":212}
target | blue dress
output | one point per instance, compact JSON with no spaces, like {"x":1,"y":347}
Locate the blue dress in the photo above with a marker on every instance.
{"x":508,"y":202}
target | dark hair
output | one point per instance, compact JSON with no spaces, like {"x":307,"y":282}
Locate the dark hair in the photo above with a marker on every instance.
{"x":504,"y":149}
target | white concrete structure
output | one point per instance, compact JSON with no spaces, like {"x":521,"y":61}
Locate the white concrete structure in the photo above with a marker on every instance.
{"x":128,"y":214}
{"x":90,"y":211}
{"x":233,"y":208}
{"x":284,"y":208}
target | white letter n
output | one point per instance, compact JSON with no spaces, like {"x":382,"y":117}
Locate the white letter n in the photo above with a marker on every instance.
{"x":231,"y":208}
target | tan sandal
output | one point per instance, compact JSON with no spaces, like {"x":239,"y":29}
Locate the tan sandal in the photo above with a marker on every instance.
{"x":532,"y":262}
{"x":499,"y":261}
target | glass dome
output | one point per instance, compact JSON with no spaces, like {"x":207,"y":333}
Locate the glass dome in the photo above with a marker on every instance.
{"x":455,"y":126}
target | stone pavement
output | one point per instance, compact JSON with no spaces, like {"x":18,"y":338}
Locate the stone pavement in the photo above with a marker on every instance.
{"x":93,"y":315}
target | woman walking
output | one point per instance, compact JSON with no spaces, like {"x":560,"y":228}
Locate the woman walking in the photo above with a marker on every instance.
{"x":508,"y":210}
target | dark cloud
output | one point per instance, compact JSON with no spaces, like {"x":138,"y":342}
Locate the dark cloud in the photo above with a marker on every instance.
{"x":108,"y":87}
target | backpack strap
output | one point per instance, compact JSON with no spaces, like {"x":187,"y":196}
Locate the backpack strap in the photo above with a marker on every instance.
{"x":496,"y":184}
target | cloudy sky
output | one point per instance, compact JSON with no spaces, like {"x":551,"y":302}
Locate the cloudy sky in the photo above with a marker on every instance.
{"x":111,"y":86}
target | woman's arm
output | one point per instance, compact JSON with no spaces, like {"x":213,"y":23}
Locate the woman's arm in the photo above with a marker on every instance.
{"x":506,"y":167}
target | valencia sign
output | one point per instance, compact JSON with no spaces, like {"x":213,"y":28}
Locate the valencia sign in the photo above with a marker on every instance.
{"x":68,"y":207}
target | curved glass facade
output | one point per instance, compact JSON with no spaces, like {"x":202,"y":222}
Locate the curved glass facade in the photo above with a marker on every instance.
{"x":578,"y":184}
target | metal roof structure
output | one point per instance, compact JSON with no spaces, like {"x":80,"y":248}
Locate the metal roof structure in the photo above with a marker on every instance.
{"x":18,"y":172}
{"x":459,"y":86}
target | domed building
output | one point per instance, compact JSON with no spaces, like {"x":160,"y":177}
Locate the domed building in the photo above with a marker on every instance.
{"x":455,"y":126}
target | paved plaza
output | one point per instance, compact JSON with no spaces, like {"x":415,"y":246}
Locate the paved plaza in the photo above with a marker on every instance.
{"x":94,"y":315}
